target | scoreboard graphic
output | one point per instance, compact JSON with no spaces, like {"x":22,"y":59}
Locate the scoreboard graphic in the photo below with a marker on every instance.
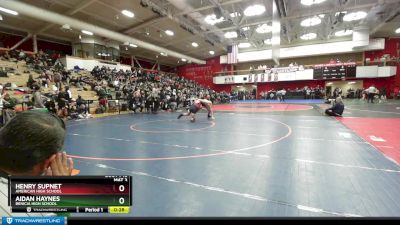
{"x":334,"y":70}
{"x":83,"y":194}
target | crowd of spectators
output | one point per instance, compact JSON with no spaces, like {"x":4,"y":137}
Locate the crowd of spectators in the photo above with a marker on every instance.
{"x":53,"y":78}
{"x":243,"y":95}
{"x":149,"y":91}
{"x":297,"y":93}
{"x":138,"y":90}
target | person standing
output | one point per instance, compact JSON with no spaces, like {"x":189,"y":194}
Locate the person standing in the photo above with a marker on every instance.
{"x":279,"y":95}
{"x":37,"y":97}
{"x":371,"y":93}
{"x":283,"y":93}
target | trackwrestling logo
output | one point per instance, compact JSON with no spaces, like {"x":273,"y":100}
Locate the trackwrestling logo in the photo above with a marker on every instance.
{"x":33,"y":220}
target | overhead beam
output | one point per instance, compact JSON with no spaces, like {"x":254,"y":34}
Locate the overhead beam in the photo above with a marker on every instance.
{"x":46,"y":15}
{"x":95,"y":16}
{"x":207,"y":7}
{"x":35,"y":46}
{"x":108,"y":5}
{"x":146,"y":23}
{"x":21,"y":41}
{"x":391,"y":14}
{"x":70,"y":12}
{"x":175,"y":41}
{"x":137,"y":62}
{"x":303,"y":15}
{"x":276,"y":32}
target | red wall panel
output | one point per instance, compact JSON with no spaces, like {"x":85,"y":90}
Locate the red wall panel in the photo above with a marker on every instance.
{"x":9,"y":40}
{"x":392,"y":47}
{"x":203,"y":74}
{"x":380,"y":83}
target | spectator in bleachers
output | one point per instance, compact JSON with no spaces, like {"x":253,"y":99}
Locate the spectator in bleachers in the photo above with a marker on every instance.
{"x":37,"y":97}
{"x":137,"y":103}
{"x":68,"y":94}
{"x":21,"y":55}
{"x":57,"y":78}
{"x":8,"y":108}
{"x":62,"y":103}
{"x":81,"y":104}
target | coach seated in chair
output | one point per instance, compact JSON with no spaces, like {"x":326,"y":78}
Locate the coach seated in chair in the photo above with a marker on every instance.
{"x":337,"y":108}
{"x":40,"y":152}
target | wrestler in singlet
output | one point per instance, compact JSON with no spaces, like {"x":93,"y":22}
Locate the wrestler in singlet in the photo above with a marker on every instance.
{"x":196,"y":106}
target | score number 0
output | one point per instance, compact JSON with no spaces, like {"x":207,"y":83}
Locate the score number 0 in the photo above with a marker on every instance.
{"x":121,"y":188}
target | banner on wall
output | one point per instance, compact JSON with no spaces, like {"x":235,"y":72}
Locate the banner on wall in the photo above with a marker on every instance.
{"x":229,"y":79}
{"x":273,"y":75}
{"x":277,"y":75}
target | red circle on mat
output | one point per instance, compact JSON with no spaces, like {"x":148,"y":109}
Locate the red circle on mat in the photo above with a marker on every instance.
{"x":260,"y":107}
{"x":136,"y":127}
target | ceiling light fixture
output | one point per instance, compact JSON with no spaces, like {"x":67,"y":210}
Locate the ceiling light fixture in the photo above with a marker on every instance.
{"x":231,"y":34}
{"x":212,"y":19}
{"x":87,"y":32}
{"x":254,"y":10}
{"x":265,"y":28}
{"x":169,"y":32}
{"x":309,"y":22}
{"x":244,"y":45}
{"x":194,"y":44}
{"x":311,"y":2}
{"x":184,"y":60}
{"x":397,"y":31}
{"x":211,"y":52}
{"x":235,"y":14}
{"x":343,"y":33}
{"x":354,"y":16}
{"x":342,"y":12}
{"x":128,"y":13}
{"x":268,"y":42}
{"x":163,"y":54}
{"x":308,"y":36}
{"x":9,"y":11}
{"x":133,"y":45}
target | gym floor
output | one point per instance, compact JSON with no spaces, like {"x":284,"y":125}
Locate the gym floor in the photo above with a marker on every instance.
{"x":257,"y":158}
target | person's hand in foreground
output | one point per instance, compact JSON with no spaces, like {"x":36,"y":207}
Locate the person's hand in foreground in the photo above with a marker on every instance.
{"x":61,"y":165}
